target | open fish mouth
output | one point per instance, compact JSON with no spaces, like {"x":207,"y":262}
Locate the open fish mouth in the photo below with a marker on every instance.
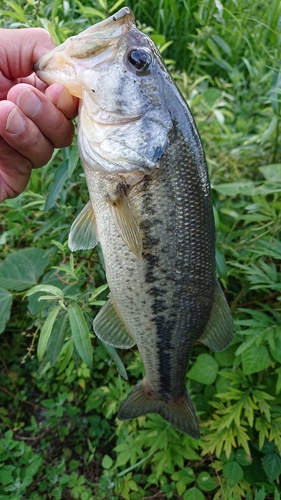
{"x":90,"y":48}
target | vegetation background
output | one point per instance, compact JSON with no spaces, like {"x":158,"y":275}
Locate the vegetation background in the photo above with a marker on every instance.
{"x":60,"y":438}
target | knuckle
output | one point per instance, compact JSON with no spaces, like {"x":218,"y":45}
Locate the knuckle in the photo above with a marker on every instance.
{"x":62,"y":133}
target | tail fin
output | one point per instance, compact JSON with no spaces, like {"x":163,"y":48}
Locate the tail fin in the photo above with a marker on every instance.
{"x":180,"y":414}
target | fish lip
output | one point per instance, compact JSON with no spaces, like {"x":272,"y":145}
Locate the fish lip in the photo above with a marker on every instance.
{"x":99,"y":37}
{"x":122,"y":121}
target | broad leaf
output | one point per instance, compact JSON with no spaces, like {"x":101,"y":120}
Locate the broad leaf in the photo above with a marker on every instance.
{"x":22,"y":269}
{"x":6,"y":300}
{"x":233,"y":473}
{"x":255,"y":359}
{"x":206,"y":482}
{"x":242,"y":458}
{"x":204,"y":370}
{"x":271,"y":172}
{"x":272,"y":466}
{"x":193,"y":494}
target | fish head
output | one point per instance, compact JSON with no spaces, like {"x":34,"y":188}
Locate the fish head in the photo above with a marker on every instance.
{"x":70,"y":63}
{"x":118,"y":73}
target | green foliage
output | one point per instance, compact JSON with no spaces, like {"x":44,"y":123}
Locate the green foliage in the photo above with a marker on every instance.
{"x":59,"y":434}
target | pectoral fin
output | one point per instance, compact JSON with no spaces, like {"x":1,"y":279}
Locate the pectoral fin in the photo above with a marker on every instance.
{"x":110,"y":329}
{"x":83,"y":232}
{"x":218,"y":332}
{"x":126,"y":223}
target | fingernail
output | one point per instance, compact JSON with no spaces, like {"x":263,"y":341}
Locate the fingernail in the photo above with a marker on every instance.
{"x":65,"y":100}
{"x":15,"y":122}
{"x":29,"y":103}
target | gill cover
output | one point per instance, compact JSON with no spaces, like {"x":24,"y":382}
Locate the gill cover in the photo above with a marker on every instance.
{"x":124,"y":120}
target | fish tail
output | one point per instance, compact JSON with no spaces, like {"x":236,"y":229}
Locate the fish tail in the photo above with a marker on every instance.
{"x":178,"y":413}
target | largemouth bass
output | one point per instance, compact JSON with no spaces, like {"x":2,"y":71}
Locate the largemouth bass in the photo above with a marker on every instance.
{"x":150,"y":208}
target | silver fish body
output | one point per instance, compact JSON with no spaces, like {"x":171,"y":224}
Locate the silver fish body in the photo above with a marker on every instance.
{"x":150,"y":208}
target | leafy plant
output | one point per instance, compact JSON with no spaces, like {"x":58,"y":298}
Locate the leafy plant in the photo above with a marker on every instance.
{"x":59,"y":433}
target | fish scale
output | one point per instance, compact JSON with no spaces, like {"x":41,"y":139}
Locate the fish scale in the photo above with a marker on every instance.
{"x":150,"y":208}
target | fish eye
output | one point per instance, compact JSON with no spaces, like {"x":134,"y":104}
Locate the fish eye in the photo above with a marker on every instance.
{"x":140,"y":59}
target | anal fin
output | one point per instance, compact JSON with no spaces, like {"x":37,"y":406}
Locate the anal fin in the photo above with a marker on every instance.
{"x":110,"y":329}
{"x":218,"y":332}
{"x":83,"y":232}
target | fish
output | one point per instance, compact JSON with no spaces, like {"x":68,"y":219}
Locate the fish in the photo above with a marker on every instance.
{"x":150,"y":209}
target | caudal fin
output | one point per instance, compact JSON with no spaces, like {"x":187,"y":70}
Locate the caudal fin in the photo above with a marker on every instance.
{"x":180,"y":414}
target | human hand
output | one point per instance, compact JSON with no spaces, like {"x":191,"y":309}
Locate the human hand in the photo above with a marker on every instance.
{"x":34,"y":118}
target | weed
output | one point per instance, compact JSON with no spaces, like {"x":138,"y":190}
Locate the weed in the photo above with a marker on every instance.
{"x":60,"y":437}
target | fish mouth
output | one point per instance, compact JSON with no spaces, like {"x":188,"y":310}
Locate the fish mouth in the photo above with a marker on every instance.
{"x":85,"y":50}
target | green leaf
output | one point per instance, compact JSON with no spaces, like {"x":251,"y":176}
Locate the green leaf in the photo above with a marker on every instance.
{"x":60,"y":178}
{"x":31,"y":470}
{"x":97,"y":292}
{"x":116,"y":6}
{"x":204,"y":370}
{"x":235,"y":188}
{"x":211,"y":96}
{"x":6,"y":474}
{"x":260,"y":494}
{"x":46,"y":332}
{"x":275,"y":346}
{"x":276,"y":494}
{"x":22,"y":269}
{"x":67,"y":355}
{"x":206,"y":482}
{"x":115,"y":356}
{"x":226,"y":357}
{"x":185,"y":475}
{"x":242,"y":458}
{"x":107,"y":462}
{"x":56,"y":341}
{"x":223,"y":45}
{"x":193,"y":494}
{"x":233,"y":472}
{"x":72,"y":160}
{"x":6,"y":300}
{"x":81,"y":334}
{"x":19,"y":13}
{"x":271,"y":172}
{"x":181,"y":487}
{"x":272,"y":466}
{"x":53,"y":290}
{"x":255,"y":359}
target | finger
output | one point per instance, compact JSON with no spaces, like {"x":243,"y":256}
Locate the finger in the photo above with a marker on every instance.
{"x":40,"y":109}
{"x":15,"y":171}
{"x":63,"y":100}
{"x":20,"y":49}
{"x":34,"y":81}
{"x":23,"y":135}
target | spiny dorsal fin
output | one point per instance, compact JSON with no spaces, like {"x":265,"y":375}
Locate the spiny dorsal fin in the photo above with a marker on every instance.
{"x":218,"y":332}
{"x":126,"y":223}
{"x":109,"y":327}
{"x":83,"y":232}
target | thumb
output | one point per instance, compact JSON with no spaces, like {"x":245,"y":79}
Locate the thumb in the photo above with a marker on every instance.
{"x":20,"y":49}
